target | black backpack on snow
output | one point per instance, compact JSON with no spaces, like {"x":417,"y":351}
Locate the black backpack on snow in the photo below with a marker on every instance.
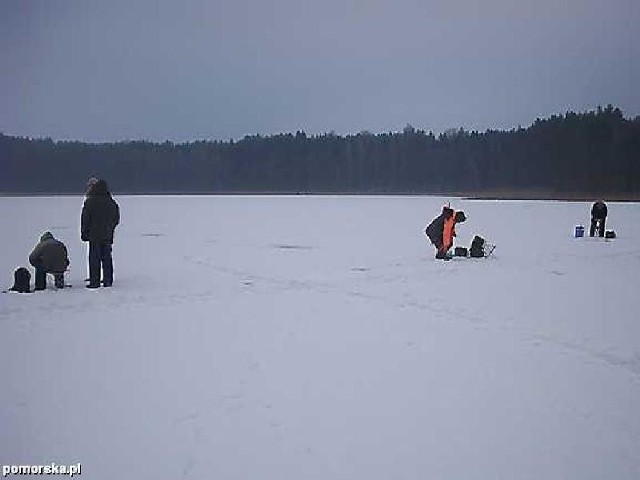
{"x":21,"y":281}
{"x":477,"y":247}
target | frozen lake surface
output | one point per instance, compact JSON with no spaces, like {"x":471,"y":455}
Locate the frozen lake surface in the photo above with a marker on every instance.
{"x":318,"y":338}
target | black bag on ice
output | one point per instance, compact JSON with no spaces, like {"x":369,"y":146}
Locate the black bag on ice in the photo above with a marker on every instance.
{"x":460,"y":252}
{"x":477,"y":247}
{"x":21,"y":281}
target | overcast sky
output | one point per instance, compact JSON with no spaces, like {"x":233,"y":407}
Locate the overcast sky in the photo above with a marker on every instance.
{"x":184,"y":70}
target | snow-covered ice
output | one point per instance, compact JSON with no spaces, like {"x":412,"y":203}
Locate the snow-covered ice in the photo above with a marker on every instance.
{"x":317,"y":338}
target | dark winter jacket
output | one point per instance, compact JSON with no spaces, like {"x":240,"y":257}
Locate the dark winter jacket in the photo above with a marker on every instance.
{"x":100,"y":215}
{"x":50,"y":254}
{"x":436,"y":228}
{"x":599,"y":210}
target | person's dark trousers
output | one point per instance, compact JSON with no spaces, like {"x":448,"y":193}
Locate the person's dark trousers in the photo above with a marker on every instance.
{"x":100,"y":259}
{"x":41,"y":278}
{"x":600,"y":228}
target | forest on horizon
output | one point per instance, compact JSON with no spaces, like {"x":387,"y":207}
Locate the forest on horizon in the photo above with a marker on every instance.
{"x":594,"y":154}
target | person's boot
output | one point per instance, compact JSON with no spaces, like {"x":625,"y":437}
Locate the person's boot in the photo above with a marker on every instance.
{"x":443,"y":255}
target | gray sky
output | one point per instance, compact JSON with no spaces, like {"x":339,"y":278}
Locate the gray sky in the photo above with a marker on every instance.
{"x":183,"y":70}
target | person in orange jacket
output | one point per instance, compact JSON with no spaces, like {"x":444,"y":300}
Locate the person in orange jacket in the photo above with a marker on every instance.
{"x":442,"y":230}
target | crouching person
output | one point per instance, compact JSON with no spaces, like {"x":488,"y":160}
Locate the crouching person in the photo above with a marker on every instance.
{"x":442,"y":230}
{"x":49,"y":256}
{"x":598,"y":218}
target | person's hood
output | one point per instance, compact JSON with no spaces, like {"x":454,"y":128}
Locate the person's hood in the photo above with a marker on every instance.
{"x":46,"y":236}
{"x":100,"y":188}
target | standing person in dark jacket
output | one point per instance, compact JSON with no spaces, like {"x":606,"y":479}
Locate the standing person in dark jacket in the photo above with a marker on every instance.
{"x":49,"y":256}
{"x":100,"y":216}
{"x":442,"y":230}
{"x":598,"y":214}
{"x":90,"y":184}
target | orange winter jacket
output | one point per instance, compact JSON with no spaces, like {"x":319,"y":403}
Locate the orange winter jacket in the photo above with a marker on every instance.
{"x":449,"y":232}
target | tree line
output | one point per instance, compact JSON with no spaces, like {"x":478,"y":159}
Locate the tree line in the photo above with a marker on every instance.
{"x":594,"y":153}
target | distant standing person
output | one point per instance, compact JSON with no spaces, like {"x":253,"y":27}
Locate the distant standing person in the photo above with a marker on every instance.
{"x":598,"y":218}
{"x":100,"y":216}
{"x":49,"y":256}
{"x":90,"y":184}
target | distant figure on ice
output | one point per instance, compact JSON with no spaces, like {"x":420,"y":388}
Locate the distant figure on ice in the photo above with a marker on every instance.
{"x":91,"y":182}
{"x":598,"y":218}
{"x":100,"y":216}
{"x":49,"y":256}
{"x":442,"y":230}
